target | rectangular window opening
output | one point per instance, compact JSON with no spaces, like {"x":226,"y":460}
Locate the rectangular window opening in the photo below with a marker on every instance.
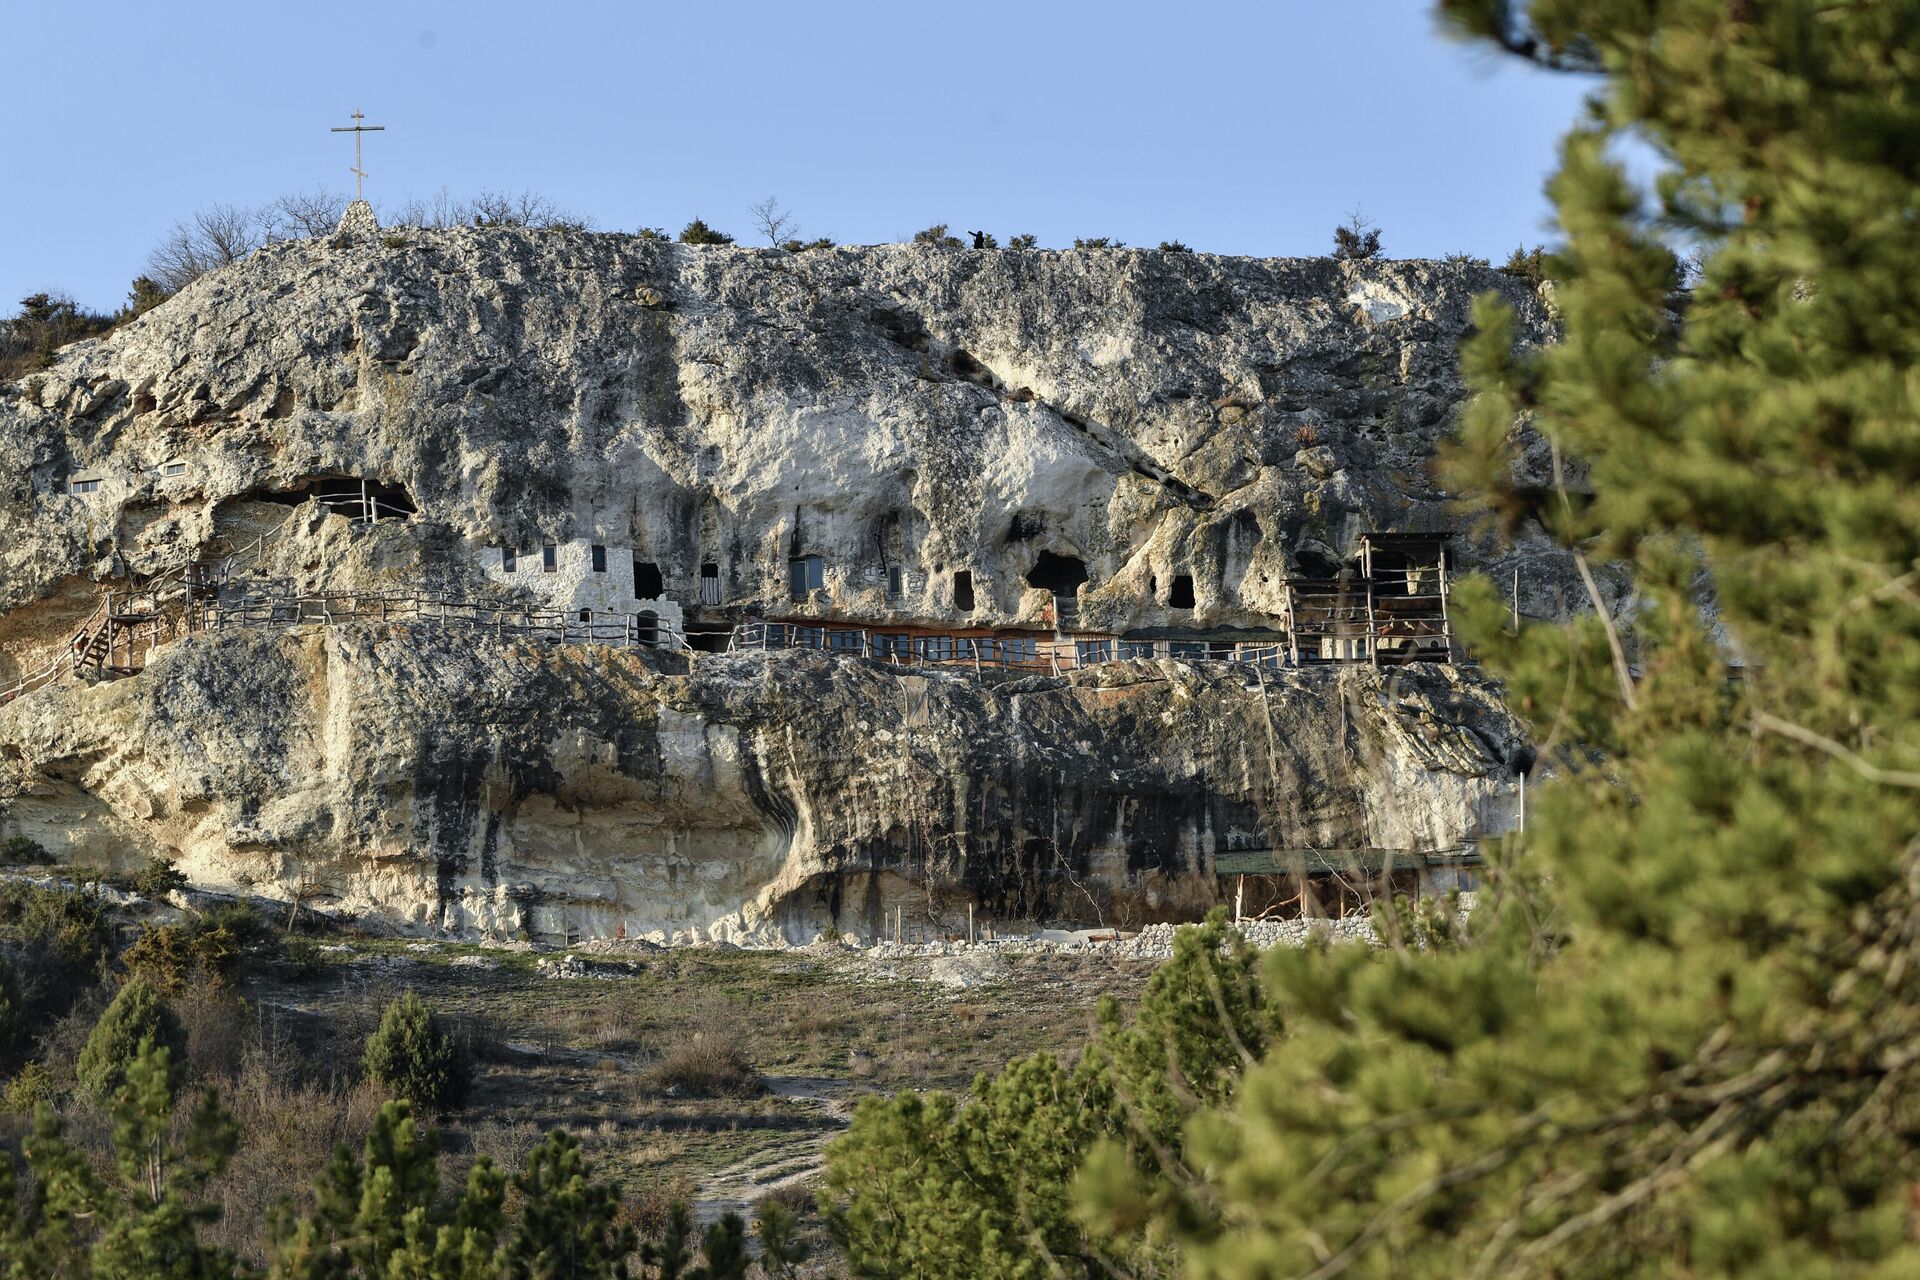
{"x":83,"y":486}
{"x":963,"y":591}
{"x":805,"y":575}
{"x":509,"y":560}
{"x":599,"y":555}
{"x":174,"y":469}
{"x":549,"y":559}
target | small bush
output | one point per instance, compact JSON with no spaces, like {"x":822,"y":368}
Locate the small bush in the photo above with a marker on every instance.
{"x":936,"y":235}
{"x":653,"y":233}
{"x":415,"y":1058}
{"x":21,"y":851}
{"x":698,"y":232}
{"x":1023,"y":241}
{"x":1356,"y":239}
{"x":1173,"y":246}
{"x":1466,"y":260}
{"x":706,"y":1067}
{"x":73,"y":927}
{"x":137,"y":1014}
{"x":1528,"y":264}
{"x":212,"y":945}
{"x":801,"y":246}
{"x":157,"y":879}
{"x":31,"y":1085}
{"x":1306,"y":435}
{"x":1098,"y":242}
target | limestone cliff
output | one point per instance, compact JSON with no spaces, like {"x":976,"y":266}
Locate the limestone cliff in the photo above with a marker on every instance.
{"x":679,"y":425}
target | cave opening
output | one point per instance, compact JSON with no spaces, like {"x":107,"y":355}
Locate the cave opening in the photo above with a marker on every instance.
{"x":344,"y":494}
{"x":647,"y":580}
{"x":1180,"y":595}
{"x":1062,"y":575}
{"x":963,"y":590}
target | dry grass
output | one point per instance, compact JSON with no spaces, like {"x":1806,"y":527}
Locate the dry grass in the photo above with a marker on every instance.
{"x":707,"y":1065}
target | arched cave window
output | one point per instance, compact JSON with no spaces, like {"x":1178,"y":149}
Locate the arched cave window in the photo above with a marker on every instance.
{"x":963,"y":591}
{"x":1181,"y":594}
{"x":1062,"y":575}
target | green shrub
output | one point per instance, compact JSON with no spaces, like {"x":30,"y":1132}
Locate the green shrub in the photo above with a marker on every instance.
{"x":698,"y":232}
{"x":31,"y":1085}
{"x":1023,"y":241}
{"x":212,"y":945}
{"x":1356,"y":239}
{"x":157,"y":879}
{"x":1466,"y":260}
{"x":21,"y":851}
{"x":801,"y":246}
{"x":1173,"y":246}
{"x":72,"y":926}
{"x":1098,"y":242}
{"x":1528,"y":264}
{"x":412,"y":1055}
{"x":653,"y":233}
{"x":136,"y":1014}
{"x":936,"y":235}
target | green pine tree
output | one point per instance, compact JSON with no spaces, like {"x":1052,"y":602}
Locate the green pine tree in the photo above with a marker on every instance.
{"x":723,"y":1250}
{"x":931,"y":1185}
{"x":136,"y":1015}
{"x":669,"y":1255}
{"x":782,"y":1247}
{"x":1678,"y":1036}
{"x":570,"y":1228}
{"x":415,"y":1057}
{"x":146,"y":1223}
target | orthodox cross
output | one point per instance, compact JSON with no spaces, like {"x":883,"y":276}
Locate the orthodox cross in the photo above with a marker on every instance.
{"x":356,"y":129}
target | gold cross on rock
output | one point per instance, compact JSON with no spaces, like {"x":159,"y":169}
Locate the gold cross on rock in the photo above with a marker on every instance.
{"x":356,"y":129}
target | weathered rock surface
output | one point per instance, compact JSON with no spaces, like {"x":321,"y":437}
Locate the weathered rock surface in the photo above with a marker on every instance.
{"x":509,"y":790}
{"x":898,"y":411}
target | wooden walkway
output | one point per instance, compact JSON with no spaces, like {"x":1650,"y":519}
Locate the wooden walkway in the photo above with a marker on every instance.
{"x":1388,"y":616}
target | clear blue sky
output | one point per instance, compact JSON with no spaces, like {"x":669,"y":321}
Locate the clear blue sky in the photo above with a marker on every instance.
{"x":1247,"y":127}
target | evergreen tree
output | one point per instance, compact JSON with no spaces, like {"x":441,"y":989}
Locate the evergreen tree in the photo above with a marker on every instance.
{"x":570,"y":1228}
{"x":1356,"y":239}
{"x":930,"y":1185}
{"x":147,"y":1223}
{"x":135,"y":1016}
{"x":723,"y":1251}
{"x":370,"y":1211}
{"x":414,"y":1056}
{"x":782,"y":1248}
{"x":698,"y":232}
{"x":1679,"y":1037}
{"x":669,"y":1255}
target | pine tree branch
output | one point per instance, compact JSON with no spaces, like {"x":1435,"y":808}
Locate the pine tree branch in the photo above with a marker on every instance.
{"x":1852,"y":759}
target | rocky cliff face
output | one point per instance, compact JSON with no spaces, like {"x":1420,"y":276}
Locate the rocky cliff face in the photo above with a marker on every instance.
{"x":908,"y":415}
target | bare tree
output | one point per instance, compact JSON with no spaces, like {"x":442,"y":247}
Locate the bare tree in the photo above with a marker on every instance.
{"x":213,"y":237}
{"x":302,"y":215}
{"x":775,"y":223}
{"x":441,"y":211}
{"x":525,"y":209}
